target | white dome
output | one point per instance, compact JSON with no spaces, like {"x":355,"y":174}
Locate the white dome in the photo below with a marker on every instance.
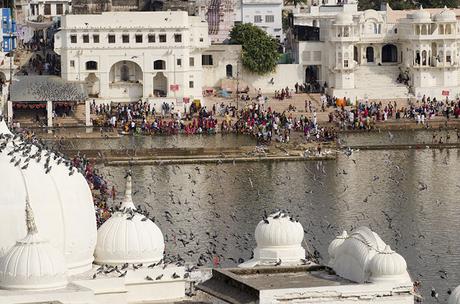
{"x":129,"y":237}
{"x":63,"y":204}
{"x":386,"y":265}
{"x":343,"y":19}
{"x":421,"y":15}
{"x":32,"y":263}
{"x":446,"y":15}
{"x":353,"y":256}
{"x":279,"y":239}
{"x":332,"y":249}
{"x":280,"y":231}
{"x":454,"y":298}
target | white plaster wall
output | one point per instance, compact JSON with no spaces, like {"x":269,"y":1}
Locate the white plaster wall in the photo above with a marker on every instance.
{"x":275,"y":28}
{"x":286,"y":75}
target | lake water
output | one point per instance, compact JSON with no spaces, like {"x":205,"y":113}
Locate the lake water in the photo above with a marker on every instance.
{"x":222,"y":204}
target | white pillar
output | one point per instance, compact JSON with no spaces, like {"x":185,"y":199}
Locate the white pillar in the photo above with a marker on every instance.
{"x":49,"y":111}
{"x":9,"y":105}
{"x":88,"y":113}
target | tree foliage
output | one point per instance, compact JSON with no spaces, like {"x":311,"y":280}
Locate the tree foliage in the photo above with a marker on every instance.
{"x":260,"y":51}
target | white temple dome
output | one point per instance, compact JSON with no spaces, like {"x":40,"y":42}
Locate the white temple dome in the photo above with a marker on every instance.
{"x":278,"y":237}
{"x":332,"y":249}
{"x":446,"y":15}
{"x":343,"y":18}
{"x":386,"y":265}
{"x":280,"y":231}
{"x":128,"y":236}
{"x":421,"y":15}
{"x":63,"y":204}
{"x":454,"y":297}
{"x":32,"y":263}
{"x":351,"y":260}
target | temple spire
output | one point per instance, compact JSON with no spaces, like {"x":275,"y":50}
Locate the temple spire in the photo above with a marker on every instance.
{"x":30,"y":220}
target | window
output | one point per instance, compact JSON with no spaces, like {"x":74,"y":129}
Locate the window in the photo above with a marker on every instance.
{"x":96,"y":38}
{"x":125,"y":38}
{"x":91,"y":65}
{"x":191,"y":61}
{"x":85,"y":38}
{"x":159,"y":65}
{"x":47,"y":9}
{"x":179,"y":62}
{"x":111,"y":38}
{"x":138,"y":38}
{"x":201,"y":39}
{"x":72,"y":63}
{"x":257,"y":19}
{"x":162,"y":38}
{"x":151,"y":38}
{"x":73,"y":38}
{"x":345,"y":63}
{"x":206,"y":59}
{"x":269,"y":18}
{"x":177,"y":37}
{"x":190,"y":84}
{"x":59,"y":9}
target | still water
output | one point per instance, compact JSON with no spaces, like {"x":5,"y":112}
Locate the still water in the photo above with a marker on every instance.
{"x":222,"y":204}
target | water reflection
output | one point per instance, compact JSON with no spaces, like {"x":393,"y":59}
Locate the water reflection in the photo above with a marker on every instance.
{"x":379,"y":189}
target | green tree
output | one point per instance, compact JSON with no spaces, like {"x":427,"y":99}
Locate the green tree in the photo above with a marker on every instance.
{"x":259,"y":50}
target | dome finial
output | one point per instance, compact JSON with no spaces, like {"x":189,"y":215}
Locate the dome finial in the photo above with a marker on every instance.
{"x":128,"y":200}
{"x":30,"y":220}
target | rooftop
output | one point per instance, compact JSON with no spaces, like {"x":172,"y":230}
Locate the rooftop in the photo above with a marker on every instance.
{"x":246,"y":284}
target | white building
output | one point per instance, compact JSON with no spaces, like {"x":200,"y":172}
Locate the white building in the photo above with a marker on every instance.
{"x":362,"y":53}
{"x":266,"y":14}
{"x":126,"y":56}
{"x":46,"y":8}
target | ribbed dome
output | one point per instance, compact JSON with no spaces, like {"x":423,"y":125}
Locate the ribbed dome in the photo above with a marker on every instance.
{"x":332,"y":249}
{"x":129,"y":237}
{"x":343,"y":19}
{"x":63,"y":204}
{"x":32,"y":263}
{"x":352,"y":258}
{"x":387,"y":263}
{"x":280,"y":231}
{"x":421,"y":15}
{"x":454,"y":298}
{"x":446,"y":15}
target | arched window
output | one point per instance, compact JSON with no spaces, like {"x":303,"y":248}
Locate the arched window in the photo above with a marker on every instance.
{"x":91,"y":65}
{"x":423,"y":57}
{"x":315,"y":23}
{"x":229,"y":70}
{"x":159,"y":65}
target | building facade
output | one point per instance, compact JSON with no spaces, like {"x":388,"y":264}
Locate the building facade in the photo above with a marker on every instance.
{"x":266,"y":14}
{"x":378,"y":54}
{"x":132,"y":55}
{"x":36,"y":10}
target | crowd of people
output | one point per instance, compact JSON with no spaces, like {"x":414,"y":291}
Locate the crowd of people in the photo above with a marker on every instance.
{"x":365,"y":114}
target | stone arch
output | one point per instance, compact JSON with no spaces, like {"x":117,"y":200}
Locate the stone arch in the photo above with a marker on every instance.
{"x":389,"y":53}
{"x":92,"y":85}
{"x":160,"y":85}
{"x":370,"y":54}
{"x":125,"y":71}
